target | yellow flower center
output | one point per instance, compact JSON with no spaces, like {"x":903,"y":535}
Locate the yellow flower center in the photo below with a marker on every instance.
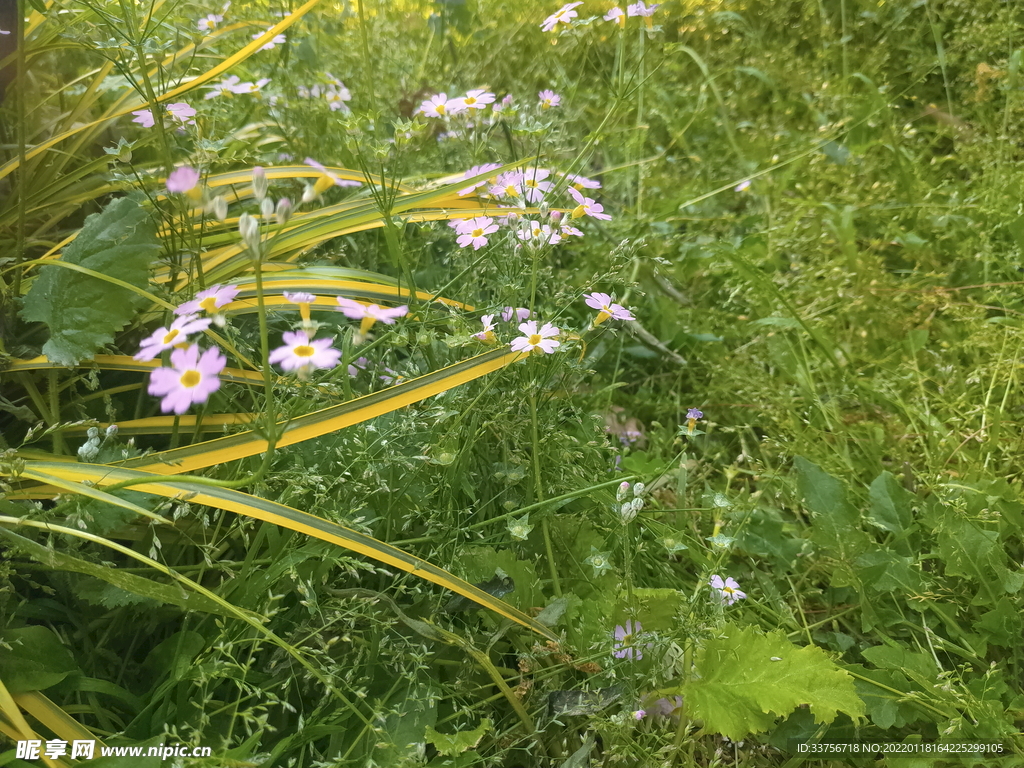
{"x":535,"y":339}
{"x":728,"y":590}
{"x":169,"y":336}
{"x":439,"y":109}
{"x":578,"y":211}
{"x":469,"y":100}
{"x":304,"y":350}
{"x":209,"y":304}
{"x":531,"y":183}
{"x":190,"y":378}
{"x":477,"y":233}
{"x":323,"y":183}
{"x":511,"y":191}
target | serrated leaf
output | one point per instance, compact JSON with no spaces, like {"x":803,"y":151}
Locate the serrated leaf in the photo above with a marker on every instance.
{"x":453,"y":744}
{"x":83,"y":312}
{"x":748,"y":679}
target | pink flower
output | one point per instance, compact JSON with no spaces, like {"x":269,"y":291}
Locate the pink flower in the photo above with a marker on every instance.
{"x":743,"y":186}
{"x":602,"y":302}
{"x":182,"y":179}
{"x":582,"y":182}
{"x":520,"y":314}
{"x":440,"y":105}
{"x":477,"y":99}
{"x":209,"y":300}
{"x":226,"y":87}
{"x":487,"y":334}
{"x":641,"y":9}
{"x":336,"y":97}
{"x":563,"y":15}
{"x":328,"y":179}
{"x":534,"y":185}
{"x":368,"y":314}
{"x":144,"y":117}
{"x":509,"y":184}
{"x":587,"y":207}
{"x":356,"y":366}
{"x":728,"y":590}
{"x":568,"y":229}
{"x":533,"y":340}
{"x":209,"y":23}
{"x":624,"y":648}
{"x":165,"y":338}
{"x":299,"y":298}
{"x":190,"y":379}
{"x":275,"y":41}
{"x":474,"y":232}
{"x":251,"y":87}
{"x":504,"y":104}
{"x":181,"y":112}
{"x":549,"y":99}
{"x":533,"y":231}
{"x":616,"y":14}
{"x":300,"y":352}
{"x":476,"y":170}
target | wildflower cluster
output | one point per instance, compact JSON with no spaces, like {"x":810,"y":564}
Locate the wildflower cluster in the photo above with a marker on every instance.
{"x":567,"y":13}
{"x":628,"y":508}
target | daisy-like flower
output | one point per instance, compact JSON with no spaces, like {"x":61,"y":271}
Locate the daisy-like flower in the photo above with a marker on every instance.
{"x":274,"y":42}
{"x":209,"y":301}
{"x":743,"y":186}
{"x":303,"y":300}
{"x":328,"y":179}
{"x":624,"y":648}
{"x":165,"y":338}
{"x":617,"y":15}
{"x":549,"y":99}
{"x":563,"y":15}
{"x":336,"y":97}
{"x":568,"y":229}
{"x":192,"y":378}
{"x":602,"y":302}
{"x":143,"y":117}
{"x":368,"y":314}
{"x":251,"y":87}
{"x":536,"y":341}
{"x":728,"y":589}
{"x":477,"y":99}
{"x":182,"y":112}
{"x":487,"y":334}
{"x":582,"y":182}
{"x":440,"y":105}
{"x":182,"y":179}
{"x":519,"y":313}
{"x":509,"y":185}
{"x":225,"y":87}
{"x":300,"y":353}
{"x":641,"y":9}
{"x":587,"y":206}
{"x":476,"y":170}
{"x":536,"y":232}
{"x":209,"y":23}
{"x":475,"y":231}
{"x":534,"y":185}
{"x":391,"y":377}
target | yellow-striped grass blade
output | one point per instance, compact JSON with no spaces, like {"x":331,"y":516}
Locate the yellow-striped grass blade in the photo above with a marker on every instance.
{"x":232,"y":447}
{"x":125,"y":363}
{"x":196,"y":492}
{"x":231,"y":61}
{"x":164,"y":425}
{"x":53,"y":717}
{"x":15,"y":727}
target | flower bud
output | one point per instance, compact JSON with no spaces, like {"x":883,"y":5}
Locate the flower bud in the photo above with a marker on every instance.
{"x":620,"y":494}
{"x":218,"y":208}
{"x":284,"y":210}
{"x":249,"y":229}
{"x":259,"y":183}
{"x":112,"y":430}
{"x":627,"y":512}
{"x":556,"y":215}
{"x":267,"y":208}
{"x":308,"y":194}
{"x":638,"y":489}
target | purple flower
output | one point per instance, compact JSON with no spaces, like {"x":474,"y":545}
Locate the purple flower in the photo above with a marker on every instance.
{"x":165,"y":338}
{"x":192,"y":378}
{"x":549,"y":99}
{"x":182,"y":179}
{"x":534,"y":340}
{"x":602,"y":302}
{"x":520,"y":314}
{"x":586,"y":206}
{"x":728,"y":590}
{"x":300,"y":352}
{"x":210,"y":300}
{"x":624,"y":648}
{"x":368,"y":314}
{"x":694,"y":414}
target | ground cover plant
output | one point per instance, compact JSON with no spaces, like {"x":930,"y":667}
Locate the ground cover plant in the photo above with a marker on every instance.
{"x":493,"y":383}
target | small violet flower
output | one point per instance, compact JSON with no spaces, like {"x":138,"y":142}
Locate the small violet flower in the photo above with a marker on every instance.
{"x":487,"y":334}
{"x":209,"y":301}
{"x":624,"y":648}
{"x":519,"y":313}
{"x":209,"y":23}
{"x":327,"y":178}
{"x":641,"y":9}
{"x":368,"y":314}
{"x":563,"y":15}
{"x":587,"y":207}
{"x":300,"y":353}
{"x":440,"y":105}
{"x":536,"y":341}
{"x":477,"y":99}
{"x":617,"y":15}
{"x":602,"y":302}
{"x":549,"y":99}
{"x":166,"y":338}
{"x":182,"y":179}
{"x":474,"y":232}
{"x":192,"y":378}
{"x":728,"y":590}
{"x":692,"y":416}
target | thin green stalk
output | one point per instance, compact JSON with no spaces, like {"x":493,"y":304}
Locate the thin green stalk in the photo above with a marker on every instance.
{"x":539,"y":493}
{"x":19,"y":248}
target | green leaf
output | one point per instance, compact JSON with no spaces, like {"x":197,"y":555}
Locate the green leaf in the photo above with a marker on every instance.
{"x":409,"y":716}
{"x":1002,"y":624}
{"x":885,"y":571}
{"x":32,"y":659}
{"x":748,"y":679}
{"x":836,"y":521}
{"x":83,"y":312}
{"x":890,"y":504}
{"x":901,"y":659}
{"x":457,"y":743}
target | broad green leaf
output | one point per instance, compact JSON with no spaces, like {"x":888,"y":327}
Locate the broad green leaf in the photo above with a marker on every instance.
{"x":405,"y":725}
{"x":890,"y":504}
{"x":748,"y":679}
{"x":896,"y":657}
{"x":33,"y":658}
{"x":453,"y":744}
{"x":1002,"y":624}
{"x":836,"y":521}
{"x":83,"y":313}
